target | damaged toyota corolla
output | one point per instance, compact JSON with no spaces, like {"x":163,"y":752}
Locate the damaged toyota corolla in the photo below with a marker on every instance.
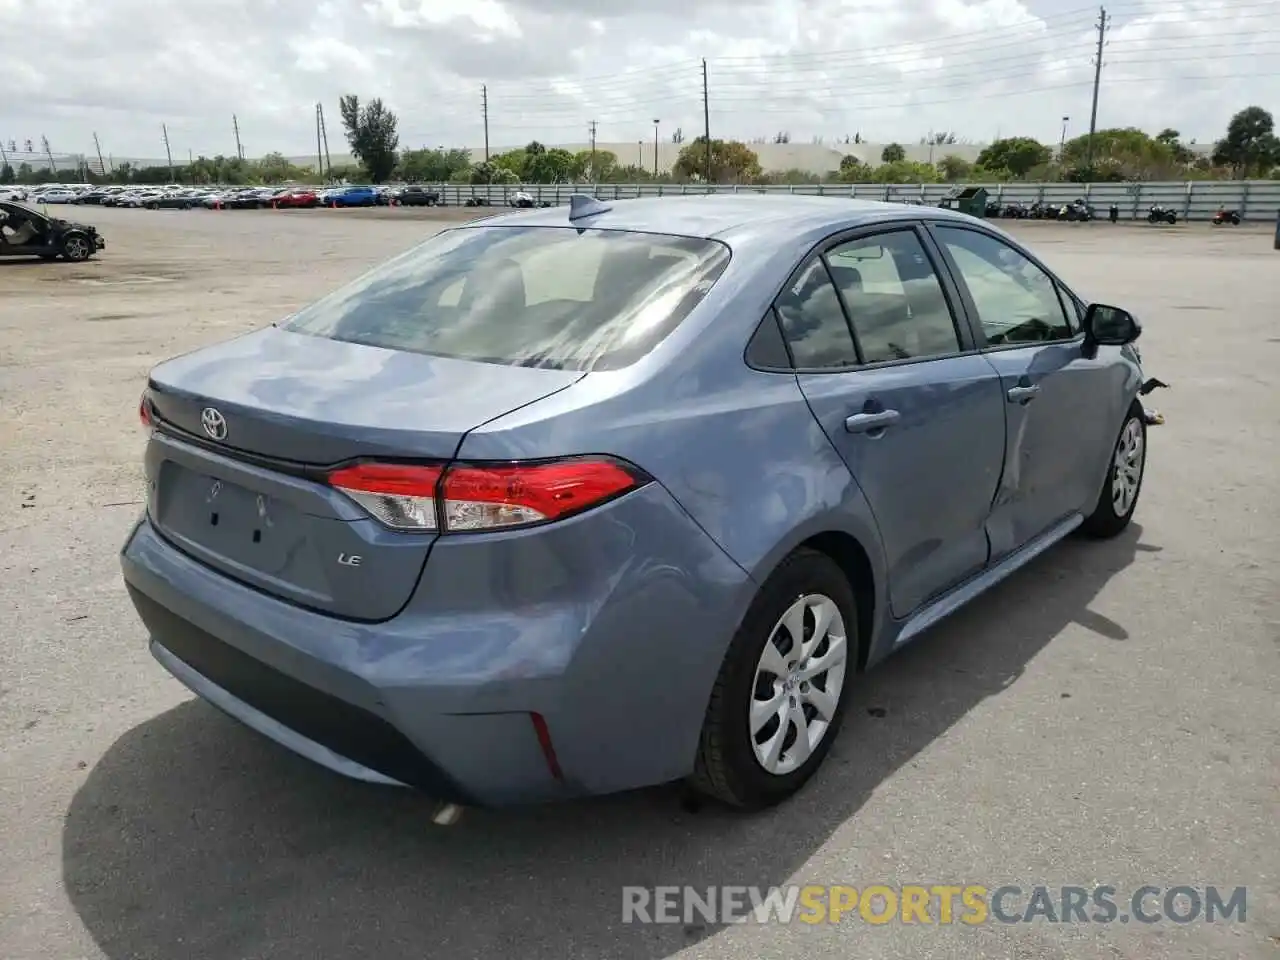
{"x":583,"y":499}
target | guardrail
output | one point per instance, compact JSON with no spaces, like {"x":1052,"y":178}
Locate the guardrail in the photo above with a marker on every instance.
{"x":1257,"y":200}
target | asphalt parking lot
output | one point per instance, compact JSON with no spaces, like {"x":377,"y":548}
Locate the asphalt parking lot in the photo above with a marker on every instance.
{"x":1107,"y":716}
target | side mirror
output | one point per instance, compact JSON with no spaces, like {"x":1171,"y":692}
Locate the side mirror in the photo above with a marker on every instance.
{"x":1110,"y":326}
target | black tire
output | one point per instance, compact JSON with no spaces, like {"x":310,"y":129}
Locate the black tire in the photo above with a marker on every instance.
{"x":76,"y":247}
{"x":1106,"y":521}
{"x":726,"y":768}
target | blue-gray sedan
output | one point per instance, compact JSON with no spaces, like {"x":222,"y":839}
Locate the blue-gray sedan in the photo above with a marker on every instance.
{"x":594,"y":497}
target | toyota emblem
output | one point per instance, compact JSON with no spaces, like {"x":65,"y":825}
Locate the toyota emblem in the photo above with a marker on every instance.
{"x":214,"y":423}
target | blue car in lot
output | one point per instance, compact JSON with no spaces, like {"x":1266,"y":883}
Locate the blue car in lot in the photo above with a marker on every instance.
{"x":572,"y":501}
{"x":352,"y":197}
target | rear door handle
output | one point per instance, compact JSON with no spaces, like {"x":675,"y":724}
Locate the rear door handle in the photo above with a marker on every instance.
{"x":869,"y":422}
{"x":1023,"y":394}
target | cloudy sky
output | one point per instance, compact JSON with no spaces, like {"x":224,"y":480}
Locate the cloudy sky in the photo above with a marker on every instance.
{"x":888,"y":69}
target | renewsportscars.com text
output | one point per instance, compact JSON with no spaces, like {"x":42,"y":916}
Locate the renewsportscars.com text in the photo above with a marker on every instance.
{"x":943,"y":904}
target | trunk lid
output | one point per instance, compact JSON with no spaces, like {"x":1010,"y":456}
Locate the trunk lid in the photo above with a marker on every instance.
{"x":243,"y":491}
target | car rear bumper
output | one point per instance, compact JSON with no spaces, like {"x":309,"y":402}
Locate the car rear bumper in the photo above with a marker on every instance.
{"x":473,"y":695}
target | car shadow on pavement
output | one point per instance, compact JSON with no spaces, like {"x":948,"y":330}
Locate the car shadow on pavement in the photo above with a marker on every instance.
{"x":194,"y":837}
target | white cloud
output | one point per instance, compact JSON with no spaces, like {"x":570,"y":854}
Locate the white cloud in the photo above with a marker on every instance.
{"x":888,"y":69}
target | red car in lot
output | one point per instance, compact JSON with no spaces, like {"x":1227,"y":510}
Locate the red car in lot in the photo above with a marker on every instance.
{"x":295,"y":197}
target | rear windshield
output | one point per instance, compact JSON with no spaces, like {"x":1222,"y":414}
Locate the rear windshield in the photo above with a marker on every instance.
{"x":558,"y":297}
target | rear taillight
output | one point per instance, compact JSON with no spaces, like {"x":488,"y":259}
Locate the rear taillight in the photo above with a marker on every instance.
{"x":144,"y":412}
{"x":401,"y":496}
{"x":472,"y":497}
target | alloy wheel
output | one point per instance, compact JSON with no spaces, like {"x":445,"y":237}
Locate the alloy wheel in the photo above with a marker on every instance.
{"x":76,"y":248}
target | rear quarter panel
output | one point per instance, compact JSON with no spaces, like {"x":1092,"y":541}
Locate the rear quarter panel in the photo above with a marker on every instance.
{"x":738,"y":449}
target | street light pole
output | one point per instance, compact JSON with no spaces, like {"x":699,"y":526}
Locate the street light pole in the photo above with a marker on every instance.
{"x":655,"y":149}
{"x":1062,"y":144}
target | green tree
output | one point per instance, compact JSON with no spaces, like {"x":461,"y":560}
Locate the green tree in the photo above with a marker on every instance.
{"x":1118,"y":153}
{"x":955,"y":168}
{"x":433,"y":166}
{"x":1250,"y":144}
{"x":371,"y":132}
{"x":905,"y":171}
{"x":731,"y":161}
{"x":7,"y":175}
{"x":493,"y":172}
{"x":853,"y":170}
{"x":893,"y":153}
{"x":1018,"y":155}
{"x":593,"y":166}
{"x":548,"y":166}
{"x":1172,"y":139}
{"x":275,"y":168}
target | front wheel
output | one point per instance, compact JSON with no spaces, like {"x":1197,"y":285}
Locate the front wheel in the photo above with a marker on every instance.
{"x":1119,"y":497}
{"x":77,"y":248}
{"x":780,"y":696}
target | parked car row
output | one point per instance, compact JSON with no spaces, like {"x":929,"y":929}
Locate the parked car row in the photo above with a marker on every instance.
{"x":227,"y":198}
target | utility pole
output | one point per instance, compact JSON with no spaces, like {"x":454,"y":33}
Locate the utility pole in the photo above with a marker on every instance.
{"x":591,"y":127}
{"x":319,"y":148}
{"x":98,"y":147}
{"x":53,"y":167}
{"x":4,"y":157}
{"x":235,"y":125}
{"x":1097,"y":82}
{"x":706,"y":122}
{"x":324,"y":137}
{"x":168,"y":153}
{"x":655,"y":148}
{"x":484,"y":109}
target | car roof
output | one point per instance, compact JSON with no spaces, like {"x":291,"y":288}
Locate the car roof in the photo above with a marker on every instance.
{"x":722,"y":216}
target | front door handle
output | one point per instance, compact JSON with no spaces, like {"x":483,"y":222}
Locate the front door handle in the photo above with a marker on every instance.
{"x":1023,"y":394}
{"x":871,"y":422}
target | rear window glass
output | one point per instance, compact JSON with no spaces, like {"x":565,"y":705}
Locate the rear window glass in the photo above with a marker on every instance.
{"x":558,"y":297}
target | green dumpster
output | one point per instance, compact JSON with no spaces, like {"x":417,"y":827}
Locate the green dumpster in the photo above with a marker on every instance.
{"x":970,"y":200}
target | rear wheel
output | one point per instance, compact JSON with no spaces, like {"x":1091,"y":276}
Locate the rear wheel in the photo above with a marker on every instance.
{"x":1119,"y":496}
{"x":77,"y":247}
{"x":779,"y":698}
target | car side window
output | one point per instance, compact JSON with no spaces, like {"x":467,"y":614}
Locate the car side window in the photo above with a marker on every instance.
{"x":894,"y":297}
{"x":1017,"y":301}
{"x":813,"y":321}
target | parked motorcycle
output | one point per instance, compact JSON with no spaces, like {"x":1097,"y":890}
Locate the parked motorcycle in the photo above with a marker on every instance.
{"x":1226,"y":216}
{"x":523,"y":200}
{"x":1076,"y":211}
{"x":1161,"y":214}
{"x":1014,"y":211}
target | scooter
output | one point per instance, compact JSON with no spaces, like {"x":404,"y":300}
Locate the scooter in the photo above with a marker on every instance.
{"x":1161,"y":214}
{"x":1225,"y":216}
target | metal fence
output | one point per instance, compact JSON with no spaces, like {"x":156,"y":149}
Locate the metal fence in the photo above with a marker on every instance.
{"x":1256,"y":200}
